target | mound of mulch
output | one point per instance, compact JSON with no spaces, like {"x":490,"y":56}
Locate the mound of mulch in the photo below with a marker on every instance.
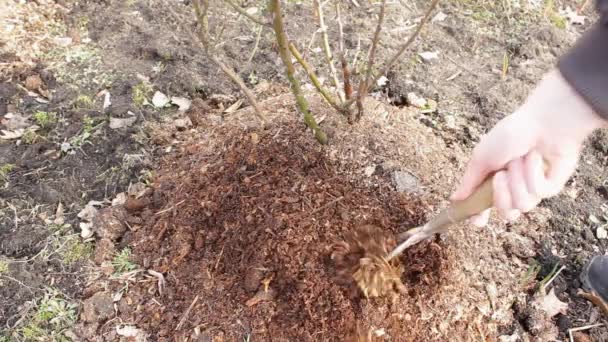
{"x":244,"y":234}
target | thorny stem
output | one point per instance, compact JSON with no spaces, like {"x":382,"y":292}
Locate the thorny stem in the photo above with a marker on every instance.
{"x":244,"y":12}
{"x":277,"y":23}
{"x":201,"y":9}
{"x":313,"y":77}
{"x":326,"y":48}
{"x":364,"y":85}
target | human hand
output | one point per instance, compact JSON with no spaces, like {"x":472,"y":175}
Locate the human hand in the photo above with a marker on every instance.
{"x":551,"y":125}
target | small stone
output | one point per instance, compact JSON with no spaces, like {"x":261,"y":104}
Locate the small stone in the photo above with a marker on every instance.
{"x":405,"y":182}
{"x":108,"y":223}
{"x":181,"y":102}
{"x":98,"y":308}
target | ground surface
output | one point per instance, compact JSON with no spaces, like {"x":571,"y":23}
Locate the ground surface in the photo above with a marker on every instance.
{"x":213,"y":229}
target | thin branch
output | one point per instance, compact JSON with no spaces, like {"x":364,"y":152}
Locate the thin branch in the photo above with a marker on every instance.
{"x":244,"y":12}
{"x":257,"y":43}
{"x":340,"y":27}
{"x":409,"y":42}
{"x":327,"y":49}
{"x":201,"y":9}
{"x":186,"y":314}
{"x":313,"y":77}
{"x":277,"y":23}
{"x":364,"y":84}
{"x":348,"y":88}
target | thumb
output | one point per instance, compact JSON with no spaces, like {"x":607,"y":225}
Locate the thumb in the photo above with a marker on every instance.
{"x":474,"y":175}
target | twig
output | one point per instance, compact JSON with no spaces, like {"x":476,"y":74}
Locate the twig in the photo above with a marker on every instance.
{"x":328,"y":55}
{"x":409,"y":42}
{"x":277,"y":23}
{"x":364,"y":85}
{"x":593,"y":298}
{"x":257,"y":43}
{"x":587,"y":327}
{"x":340,"y":27}
{"x":325,"y":206}
{"x":552,"y":279}
{"x":243,"y":12}
{"x":313,"y":77}
{"x":201,"y":8}
{"x":186,"y":313}
{"x":161,"y":280}
{"x":170,"y":208}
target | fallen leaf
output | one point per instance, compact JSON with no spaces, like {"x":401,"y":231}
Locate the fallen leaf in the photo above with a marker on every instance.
{"x":11,"y":135}
{"x":120,"y":199}
{"x":85,"y":230}
{"x":573,"y":17}
{"x":439,"y":17}
{"x":116,"y":123}
{"x":127,"y":331}
{"x":89,"y":212}
{"x":59,"y":218}
{"x":416,"y":100}
{"x":601,"y":232}
{"x":550,"y":304}
{"x":160,"y":100}
{"x":428,"y":56}
{"x":181,"y":102}
{"x":14,"y":121}
{"x":234,"y":107}
{"x":382,"y":81}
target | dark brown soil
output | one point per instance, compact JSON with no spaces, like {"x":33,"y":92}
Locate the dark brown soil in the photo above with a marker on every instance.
{"x":249,"y":229}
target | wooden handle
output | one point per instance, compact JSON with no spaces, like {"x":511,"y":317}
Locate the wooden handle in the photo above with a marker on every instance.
{"x":479,"y":201}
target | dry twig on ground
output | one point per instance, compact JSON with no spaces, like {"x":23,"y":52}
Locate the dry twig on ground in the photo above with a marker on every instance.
{"x":246,"y":14}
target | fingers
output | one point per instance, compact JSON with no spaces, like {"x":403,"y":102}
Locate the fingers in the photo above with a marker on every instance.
{"x":522,"y":198}
{"x":502,"y":195}
{"x":481,"y":219}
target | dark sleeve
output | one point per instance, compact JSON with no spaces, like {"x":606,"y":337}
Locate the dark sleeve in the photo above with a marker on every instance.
{"x":585,"y":66}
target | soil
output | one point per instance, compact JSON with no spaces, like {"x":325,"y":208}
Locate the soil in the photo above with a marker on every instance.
{"x":252,"y":237}
{"x":243,"y":222}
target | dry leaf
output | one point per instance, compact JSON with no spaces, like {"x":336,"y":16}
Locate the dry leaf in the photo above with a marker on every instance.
{"x":116,"y":123}
{"x":160,"y":100}
{"x":127,"y":331}
{"x":85,"y":230}
{"x":550,"y":304}
{"x":181,"y":102}
{"x":14,"y":121}
{"x":33,"y":82}
{"x":234,"y":107}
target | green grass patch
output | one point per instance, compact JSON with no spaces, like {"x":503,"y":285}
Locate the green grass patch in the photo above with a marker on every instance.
{"x":53,"y":316}
{"x":141,"y":92}
{"x":4,"y":171}
{"x":3,"y":267}
{"x":122,"y":262}
{"x":45,"y":119}
{"x":74,"y":249}
{"x":84,"y":102}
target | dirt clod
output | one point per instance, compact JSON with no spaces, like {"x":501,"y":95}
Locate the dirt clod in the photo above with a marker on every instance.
{"x":109,"y":223}
{"x":98,"y":308}
{"x":104,"y":250}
